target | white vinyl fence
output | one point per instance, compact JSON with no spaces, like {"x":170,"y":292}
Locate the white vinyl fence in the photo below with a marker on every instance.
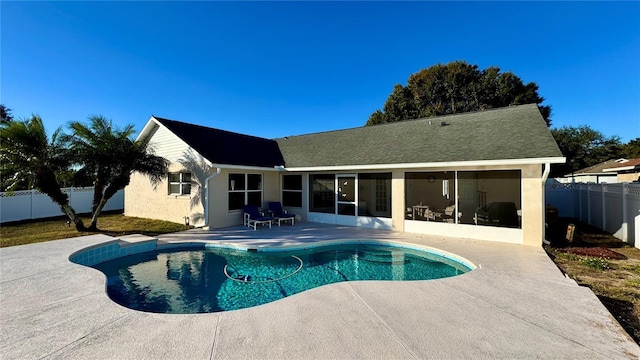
{"x":32,"y":204}
{"x":614,"y":208}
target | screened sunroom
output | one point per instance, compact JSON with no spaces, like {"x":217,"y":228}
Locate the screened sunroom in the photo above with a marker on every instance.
{"x":483,"y":198}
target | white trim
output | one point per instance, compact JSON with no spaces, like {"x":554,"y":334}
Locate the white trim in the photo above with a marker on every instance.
{"x":148,"y":127}
{"x":206,"y":196}
{"x":322,"y":218}
{"x":589,"y":174}
{"x":243,"y":167}
{"x":621,"y":168}
{"x":477,"y":232}
{"x":374,"y":222}
{"x":181,"y":182}
{"x":553,"y":160}
{"x":350,"y":220}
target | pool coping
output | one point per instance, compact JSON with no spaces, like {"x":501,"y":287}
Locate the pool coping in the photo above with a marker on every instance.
{"x":516,"y":303}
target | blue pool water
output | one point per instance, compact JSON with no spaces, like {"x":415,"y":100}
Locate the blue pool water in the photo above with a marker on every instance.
{"x":202,"y":280}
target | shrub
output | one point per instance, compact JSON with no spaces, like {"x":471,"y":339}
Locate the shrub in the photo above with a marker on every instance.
{"x":596,"y":263}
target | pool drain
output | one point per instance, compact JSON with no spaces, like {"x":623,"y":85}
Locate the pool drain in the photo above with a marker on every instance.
{"x":249,"y":279}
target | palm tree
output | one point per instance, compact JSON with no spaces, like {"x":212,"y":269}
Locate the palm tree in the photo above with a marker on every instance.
{"x":28,"y":155}
{"x":111,"y":156}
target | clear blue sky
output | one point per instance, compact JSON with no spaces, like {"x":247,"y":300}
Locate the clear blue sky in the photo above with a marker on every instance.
{"x":275,"y":69}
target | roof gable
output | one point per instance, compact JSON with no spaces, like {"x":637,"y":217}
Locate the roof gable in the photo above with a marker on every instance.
{"x":225,"y":147}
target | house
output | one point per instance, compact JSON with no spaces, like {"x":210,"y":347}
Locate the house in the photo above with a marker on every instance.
{"x":625,"y":170}
{"x":475,"y":175}
{"x":594,"y":174}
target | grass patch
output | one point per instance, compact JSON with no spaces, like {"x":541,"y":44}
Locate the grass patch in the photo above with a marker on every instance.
{"x":609,"y":267}
{"x":596,"y":263}
{"x":111,"y":224}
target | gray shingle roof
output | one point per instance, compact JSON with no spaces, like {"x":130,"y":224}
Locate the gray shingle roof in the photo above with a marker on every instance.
{"x":517,"y":132}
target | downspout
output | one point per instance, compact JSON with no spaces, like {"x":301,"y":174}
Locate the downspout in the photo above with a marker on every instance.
{"x":206,"y":196}
{"x":545,"y":175}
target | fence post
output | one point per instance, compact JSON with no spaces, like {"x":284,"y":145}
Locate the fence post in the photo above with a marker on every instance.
{"x":588,"y":204}
{"x":624,"y":214}
{"x":31,"y":204}
{"x":604,"y":207}
{"x":579,"y":188}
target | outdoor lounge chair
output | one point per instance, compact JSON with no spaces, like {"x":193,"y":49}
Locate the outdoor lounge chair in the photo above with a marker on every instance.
{"x":280,"y":214}
{"x":253,"y":217}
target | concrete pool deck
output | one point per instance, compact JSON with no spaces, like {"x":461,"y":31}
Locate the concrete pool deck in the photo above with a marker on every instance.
{"x":516,"y":304}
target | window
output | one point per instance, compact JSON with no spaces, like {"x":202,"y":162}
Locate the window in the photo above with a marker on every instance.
{"x":180,"y":183}
{"x":322,"y":196}
{"x":292,"y":190}
{"x":374,"y":195}
{"x":430,"y":196}
{"x":244,"y":189}
{"x":486,"y":198}
{"x":490,"y":198}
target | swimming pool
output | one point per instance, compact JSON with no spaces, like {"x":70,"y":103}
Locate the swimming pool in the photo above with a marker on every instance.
{"x":195,"y":278}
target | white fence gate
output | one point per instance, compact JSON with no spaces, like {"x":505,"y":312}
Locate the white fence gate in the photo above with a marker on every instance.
{"x":32,"y":204}
{"x":614,"y":208}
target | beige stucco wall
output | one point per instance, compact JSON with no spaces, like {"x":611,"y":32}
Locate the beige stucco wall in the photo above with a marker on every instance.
{"x":142,"y":200}
{"x":397,"y":200}
{"x":628,"y":177}
{"x":219,"y":214}
{"x":532,"y":205}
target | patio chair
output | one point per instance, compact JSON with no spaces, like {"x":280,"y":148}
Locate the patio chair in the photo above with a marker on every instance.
{"x":279,"y":214}
{"x":252,"y":217}
{"x":449,"y":214}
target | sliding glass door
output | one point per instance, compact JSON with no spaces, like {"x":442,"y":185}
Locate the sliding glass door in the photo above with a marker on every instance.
{"x":346,"y":199}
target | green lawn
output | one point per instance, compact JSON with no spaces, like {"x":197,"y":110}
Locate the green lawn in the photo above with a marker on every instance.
{"x":112,"y":224}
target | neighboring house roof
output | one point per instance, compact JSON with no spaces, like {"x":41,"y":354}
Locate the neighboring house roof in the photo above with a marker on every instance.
{"x":517,"y":132}
{"x":225,"y":147}
{"x":597,"y":169}
{"x":627,"y":165}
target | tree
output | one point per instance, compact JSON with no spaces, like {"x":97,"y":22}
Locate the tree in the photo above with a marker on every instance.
{"x":631,"y":150}
{"x":454,"y":88}
{"x":110,"y":156}
{"x":5,"y":115}
{"x":30,"y":156}
{"x":583,"y":147}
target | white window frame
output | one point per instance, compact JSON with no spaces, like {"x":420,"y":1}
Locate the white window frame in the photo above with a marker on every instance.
{"x":181,"y":183}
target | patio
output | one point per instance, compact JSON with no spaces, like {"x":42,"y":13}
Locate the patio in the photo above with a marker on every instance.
{"x":516,"y":304}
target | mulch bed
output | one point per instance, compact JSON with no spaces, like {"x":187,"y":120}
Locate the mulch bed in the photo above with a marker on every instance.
{"x":594,"y":252}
